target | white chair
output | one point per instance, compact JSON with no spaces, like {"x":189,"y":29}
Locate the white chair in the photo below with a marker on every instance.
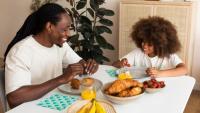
{"x":2,"y":90}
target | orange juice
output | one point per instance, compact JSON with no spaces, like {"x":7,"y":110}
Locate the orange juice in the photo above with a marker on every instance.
{"x":88,"y":93}
{"x":125,"y":75}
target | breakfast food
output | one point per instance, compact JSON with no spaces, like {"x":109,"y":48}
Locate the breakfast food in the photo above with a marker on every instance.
{"x":124,"y":88}
{"x":93,"y":106}
{"x":153,"y":83}
{"x":75,"y":83}
{"x":130,"y":92}
{"x":87,"y":81}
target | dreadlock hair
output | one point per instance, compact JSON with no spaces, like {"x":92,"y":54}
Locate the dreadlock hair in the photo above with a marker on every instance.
{"x":35,"y":22}
{"x":159,"y":32}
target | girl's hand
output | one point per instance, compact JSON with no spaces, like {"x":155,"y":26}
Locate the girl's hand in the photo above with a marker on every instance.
{"x":124,"y":62}
{"x":153,"y":72}
{"x":91,"y":66}
{"x":121,"y":63}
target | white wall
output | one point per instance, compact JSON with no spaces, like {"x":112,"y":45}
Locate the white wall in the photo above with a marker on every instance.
{"x":12,"y":15}
{"x":14,"y":12}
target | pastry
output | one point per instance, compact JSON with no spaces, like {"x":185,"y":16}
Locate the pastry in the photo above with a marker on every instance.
{"x":75,"y":83}
{"x":120,"y":85}
{"x":130,"y":92}
{"x":87,"y":81}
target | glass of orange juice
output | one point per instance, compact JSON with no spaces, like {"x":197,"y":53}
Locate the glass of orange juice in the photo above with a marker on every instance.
{"x":88,"y":92}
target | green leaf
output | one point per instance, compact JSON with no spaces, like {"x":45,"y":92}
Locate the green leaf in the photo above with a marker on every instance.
{"x":98,"y":49}
{"x":85,"y":19}
{"x":99,"y":2}
{"x":102,"y":29}
{"x":87,"y":35}
{"x":104,"y":11}
{"x":106,"y":59}
{"x":109,"y":46}
{"x":99,"y":59}
{"x":93,"y":5}
{"x":81,"y":4}
{"x":84,"y":28}
{"x":91,"y":12}
{"x":74,"y":39}
{"x":86,"y":44}
{"x":102,"y":42}
{"x":106,"y":22}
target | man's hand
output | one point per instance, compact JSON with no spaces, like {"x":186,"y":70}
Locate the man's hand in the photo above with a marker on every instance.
{"x":71,"y":71}
{"x":90,"y":66}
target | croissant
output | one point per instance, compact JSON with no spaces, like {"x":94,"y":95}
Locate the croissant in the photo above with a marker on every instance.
{"x":120,"y":85}
{"x":130,"y":92}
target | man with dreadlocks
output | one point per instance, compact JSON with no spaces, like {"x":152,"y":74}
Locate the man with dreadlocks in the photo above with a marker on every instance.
{"x":38,"y":53}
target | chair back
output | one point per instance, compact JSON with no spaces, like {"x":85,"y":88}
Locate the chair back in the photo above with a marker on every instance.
{"x":2,"y":91}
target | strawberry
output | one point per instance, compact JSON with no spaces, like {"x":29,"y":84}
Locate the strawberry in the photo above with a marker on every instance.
{"x":150,"y":84}
{"x":153,"y":80}
{"x":145,"y":86}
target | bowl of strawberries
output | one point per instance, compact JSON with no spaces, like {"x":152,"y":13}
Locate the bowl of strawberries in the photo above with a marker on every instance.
{"x":153,"y":85}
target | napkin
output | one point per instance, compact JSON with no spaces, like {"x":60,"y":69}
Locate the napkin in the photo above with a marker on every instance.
{"x":112,"y":72}
{"x":57,"y":101}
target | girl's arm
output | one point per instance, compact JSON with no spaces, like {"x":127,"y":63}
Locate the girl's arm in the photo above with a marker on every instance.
{"x":180,"y":69}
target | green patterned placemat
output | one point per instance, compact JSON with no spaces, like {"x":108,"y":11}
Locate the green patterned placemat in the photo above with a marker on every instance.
{"x":112,"y":72}
{"x":57,"y":101}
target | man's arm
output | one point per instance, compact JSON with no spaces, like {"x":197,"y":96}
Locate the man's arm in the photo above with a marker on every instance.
{"x":32,"y":92}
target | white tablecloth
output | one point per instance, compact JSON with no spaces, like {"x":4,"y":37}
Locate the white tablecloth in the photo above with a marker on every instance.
{"x":172,"y":99}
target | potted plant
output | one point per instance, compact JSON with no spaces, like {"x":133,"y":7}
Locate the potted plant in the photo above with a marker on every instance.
{"x":89,"y":22}
{"x":37,"y":3}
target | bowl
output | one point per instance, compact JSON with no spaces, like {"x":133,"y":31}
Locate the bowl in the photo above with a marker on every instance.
{"x":153,"y":85}
{"x":118,"y":100}
{"x":153,"y":90}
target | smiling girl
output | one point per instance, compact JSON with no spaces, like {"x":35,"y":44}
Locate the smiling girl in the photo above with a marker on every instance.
{"x":157,"y":42}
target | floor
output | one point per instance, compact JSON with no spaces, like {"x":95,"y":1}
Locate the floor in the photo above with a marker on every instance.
{"x":193,"y":105}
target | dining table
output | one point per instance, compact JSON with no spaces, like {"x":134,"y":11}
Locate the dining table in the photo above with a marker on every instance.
{"x":172,"y":99}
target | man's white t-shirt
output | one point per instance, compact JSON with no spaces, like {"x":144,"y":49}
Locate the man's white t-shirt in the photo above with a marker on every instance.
{"x":29,"y":63}
{"x":137,"y":58}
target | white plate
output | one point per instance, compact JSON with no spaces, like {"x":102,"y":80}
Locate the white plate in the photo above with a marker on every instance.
{"x":77,"y":105}
{"x":66,"y":88}
{"x":137,"y":72}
